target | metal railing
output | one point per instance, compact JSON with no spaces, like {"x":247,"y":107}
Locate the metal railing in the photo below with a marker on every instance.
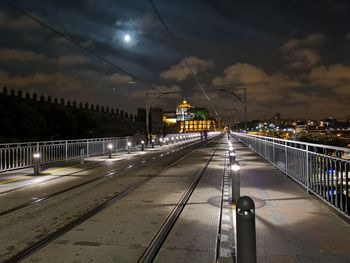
{"x":20,"y":155}
{"x":323,"y":170}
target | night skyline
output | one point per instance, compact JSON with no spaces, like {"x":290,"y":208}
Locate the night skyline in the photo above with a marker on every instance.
{"x":292,"y":57}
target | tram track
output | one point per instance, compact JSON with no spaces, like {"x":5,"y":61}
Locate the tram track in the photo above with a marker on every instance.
{"x":159,"y":238}
{"x":97,"y":209}
{"x":107,"y":175}
{"x":73,"y":173}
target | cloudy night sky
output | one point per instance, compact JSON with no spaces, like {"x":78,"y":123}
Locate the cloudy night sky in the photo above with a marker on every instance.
{"x":293,"y":57}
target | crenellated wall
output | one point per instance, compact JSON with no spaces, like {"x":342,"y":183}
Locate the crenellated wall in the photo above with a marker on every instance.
{"x":32,"y":117}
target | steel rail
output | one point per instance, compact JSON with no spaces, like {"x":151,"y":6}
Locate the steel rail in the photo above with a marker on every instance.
{"x":97,"y":209}
{"x":107,"y":175}
{"x":159,"y":238}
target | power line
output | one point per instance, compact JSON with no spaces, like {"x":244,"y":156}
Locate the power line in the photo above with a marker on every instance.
{"x":70,"y":39}
{"x":182,"y":53}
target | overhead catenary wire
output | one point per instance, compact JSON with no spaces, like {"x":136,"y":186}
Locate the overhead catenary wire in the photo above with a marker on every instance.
{"x":178,"y":46}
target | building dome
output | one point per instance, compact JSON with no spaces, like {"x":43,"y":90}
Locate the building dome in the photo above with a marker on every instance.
{"x":184,"y":104}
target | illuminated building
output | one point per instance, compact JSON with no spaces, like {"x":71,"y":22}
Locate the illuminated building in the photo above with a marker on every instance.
{"x":190,"y":119}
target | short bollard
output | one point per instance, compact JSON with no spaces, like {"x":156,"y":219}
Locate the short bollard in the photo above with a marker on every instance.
{"x":129,"y":144}
{"x":232,"y":156}
{"x":36,"y":163}
{"x":160,"y":141}
{"x":142,"y":145}
{"x":246,"y":236}
{"x":82,"y":155}
{"x":153,"y":143}
{"x":235,"y":180}
{"x":110,"y":149}
{"x":172,"y":140}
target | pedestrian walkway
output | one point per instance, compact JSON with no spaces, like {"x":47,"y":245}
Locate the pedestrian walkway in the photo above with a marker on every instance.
{"x":291,"y":226}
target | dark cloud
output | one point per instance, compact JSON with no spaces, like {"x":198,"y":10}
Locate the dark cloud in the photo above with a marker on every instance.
{"x":291,"y":56}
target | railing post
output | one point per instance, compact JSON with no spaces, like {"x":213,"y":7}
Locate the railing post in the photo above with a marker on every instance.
{"x":82,"y":155}
{"x":103,"y":146}
{"x":66,"y":149}
{"x":285,"y":154}
{"x":87,"y":148}
{"x":307,"y":169}
{"x":273,"y":150}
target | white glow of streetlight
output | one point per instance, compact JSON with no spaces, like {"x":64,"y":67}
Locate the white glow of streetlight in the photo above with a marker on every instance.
{"x":232,"y":154}
{"x":235,"y":167}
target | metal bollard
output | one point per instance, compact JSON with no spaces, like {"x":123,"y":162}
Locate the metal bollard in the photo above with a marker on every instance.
{"x":110,"y":148}
{"x":232,"y":156}
{"x":246,"y":235}
{"x":152,"y":143}
{"x":235,"y":180}
{"x":142,"y":145}
{"x":160,"y":141}
{"x":82,"y":155}
{"x":36,"y":163}
{"x":129,"y":144}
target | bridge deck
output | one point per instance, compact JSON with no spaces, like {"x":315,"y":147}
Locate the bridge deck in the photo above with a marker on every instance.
{"x":292,"y":226}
